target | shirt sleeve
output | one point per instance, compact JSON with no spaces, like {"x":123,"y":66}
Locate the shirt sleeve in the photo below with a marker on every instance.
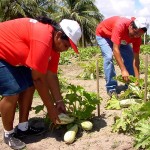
{"x":53,"y":62}
{"x":136,"y":45}
{"x":38,"y":56}
{"x":40,"y":47}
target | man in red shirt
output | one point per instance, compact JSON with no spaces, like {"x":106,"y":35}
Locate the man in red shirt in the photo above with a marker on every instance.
{"x":29,"y":56}
{"x":115,"y":36}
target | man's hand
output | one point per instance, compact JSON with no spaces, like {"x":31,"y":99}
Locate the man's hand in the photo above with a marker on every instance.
{"x":60,"y":106}
{"x":125,"y":75}
{"x":53,"y":114}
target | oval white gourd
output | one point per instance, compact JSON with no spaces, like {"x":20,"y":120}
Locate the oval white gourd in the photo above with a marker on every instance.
{"x":148,"y":96}
{"x":65,"y":119}
{"x":128,"y":102}
{"x":86,"y":125}
{"x":70,"y":135}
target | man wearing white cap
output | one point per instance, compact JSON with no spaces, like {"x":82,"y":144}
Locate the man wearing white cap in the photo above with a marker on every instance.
{"x":29,"y":56}
{"x":115,"y":36}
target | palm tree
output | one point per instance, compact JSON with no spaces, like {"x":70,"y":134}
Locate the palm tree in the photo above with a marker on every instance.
{"x":10,"y":9}
{"x":83,"y":11}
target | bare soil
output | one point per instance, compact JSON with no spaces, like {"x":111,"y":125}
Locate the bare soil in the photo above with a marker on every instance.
{"x":100,"y":138}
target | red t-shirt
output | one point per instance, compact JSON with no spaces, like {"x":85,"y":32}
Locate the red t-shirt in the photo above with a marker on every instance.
{"x":27,"y":42}
{"x":116,"y":29}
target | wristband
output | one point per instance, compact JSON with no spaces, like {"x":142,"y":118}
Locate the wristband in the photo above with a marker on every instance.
{"x":59,"y":101}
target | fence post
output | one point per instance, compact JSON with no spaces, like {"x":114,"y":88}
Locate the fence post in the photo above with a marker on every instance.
{"x":146,"y":72}
{"x":97,"y":77}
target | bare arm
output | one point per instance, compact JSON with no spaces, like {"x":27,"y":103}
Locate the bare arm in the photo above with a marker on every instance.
{"x":43,"y":90}
{"x":53,"y":84}
{"x":136,"y":64}
{"x":124,"y":72}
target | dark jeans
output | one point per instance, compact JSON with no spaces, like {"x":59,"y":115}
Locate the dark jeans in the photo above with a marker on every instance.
{"x":14,"y":80}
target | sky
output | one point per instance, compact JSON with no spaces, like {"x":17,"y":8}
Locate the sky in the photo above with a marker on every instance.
{"x":136,"y":8}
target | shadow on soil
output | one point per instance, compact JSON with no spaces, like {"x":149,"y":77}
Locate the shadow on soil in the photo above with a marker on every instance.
{"x":58,"y":132}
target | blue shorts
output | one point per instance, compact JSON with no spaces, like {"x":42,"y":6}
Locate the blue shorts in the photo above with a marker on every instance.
{"x":14,"y":80}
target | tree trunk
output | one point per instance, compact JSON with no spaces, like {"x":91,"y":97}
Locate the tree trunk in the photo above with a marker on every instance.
{"x":82,"y":36}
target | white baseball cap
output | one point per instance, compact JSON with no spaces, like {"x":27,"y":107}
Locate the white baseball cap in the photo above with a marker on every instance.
{"x":72,"y":29}
{"x":141,"y":22}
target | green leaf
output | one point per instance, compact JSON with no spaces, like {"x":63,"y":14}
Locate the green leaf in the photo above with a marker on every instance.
{"x":113,"y":103}
{"x":38,"y":108}
{"x":143,"y":137}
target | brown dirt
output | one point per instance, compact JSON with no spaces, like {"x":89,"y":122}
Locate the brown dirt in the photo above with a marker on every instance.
{"x":100,"y":138}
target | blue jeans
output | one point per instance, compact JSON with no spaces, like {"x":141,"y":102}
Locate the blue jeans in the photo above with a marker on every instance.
{"x":106,"y":47}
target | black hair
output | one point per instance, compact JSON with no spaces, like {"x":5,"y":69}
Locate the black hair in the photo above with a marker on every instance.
{"x":53,"y":23}
{"x":135,"y":27}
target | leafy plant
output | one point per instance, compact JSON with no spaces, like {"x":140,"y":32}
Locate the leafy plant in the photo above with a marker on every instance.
{"x":66,"y":57}
{"x":135,"y":120}
{"x":85,"y":54}
{"x":62,"y":82}
{"x":80,"y":103}
{"x":145,"y":49}
{"x":80,"y":106}
{"x":127,"y":121}
{"x":142,"y":139}
{"x":134,"y":94}
{"x":89,"y":71}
